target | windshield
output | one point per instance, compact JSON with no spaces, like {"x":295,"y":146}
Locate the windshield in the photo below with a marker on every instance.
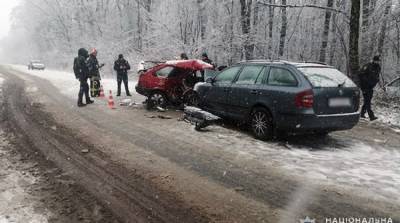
{"x":210,"y":73}
{"x":326,"y":77}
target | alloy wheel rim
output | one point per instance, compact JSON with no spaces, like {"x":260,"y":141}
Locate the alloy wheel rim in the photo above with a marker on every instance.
{"x":158,"y":99}
{"x":260,"y":123}
{"x":193,"y":99}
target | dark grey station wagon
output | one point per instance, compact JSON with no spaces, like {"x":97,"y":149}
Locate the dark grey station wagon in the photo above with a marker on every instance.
{"x":281,"y":96}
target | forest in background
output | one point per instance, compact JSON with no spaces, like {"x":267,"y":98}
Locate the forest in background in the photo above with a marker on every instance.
{"x":228,"y":30}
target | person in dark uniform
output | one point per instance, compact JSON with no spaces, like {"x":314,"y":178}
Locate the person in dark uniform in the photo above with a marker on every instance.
{"x":204,"y":58}
{"x":94,"y":73}
{"x":369,"y":78}
{"x":82,"y":74}
{"x":184,"y":56}
{"x":122,"y":66}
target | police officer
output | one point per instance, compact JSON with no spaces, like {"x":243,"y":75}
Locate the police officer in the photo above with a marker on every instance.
{"x":369,"y":78}
{"x":122,"y":66}
{"x":82,"y":74}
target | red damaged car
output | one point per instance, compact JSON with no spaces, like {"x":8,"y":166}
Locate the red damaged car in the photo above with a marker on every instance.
{"x":171,"y":82}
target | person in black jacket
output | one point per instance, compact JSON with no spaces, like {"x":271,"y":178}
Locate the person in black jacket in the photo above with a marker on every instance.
{"x":94,"y":73}
{"x":369,"y":78}
{"x":184,"y":56}
{"x":82,"y":74}
{"x":204,"y":58}
{"x":122,"y":66}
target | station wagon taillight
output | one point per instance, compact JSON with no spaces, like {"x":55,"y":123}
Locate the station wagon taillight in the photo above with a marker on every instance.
{"x":305,"y":99}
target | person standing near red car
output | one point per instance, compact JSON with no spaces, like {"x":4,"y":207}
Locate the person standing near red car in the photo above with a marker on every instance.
{"x":204,"y":58}
{"x":122,"y":66}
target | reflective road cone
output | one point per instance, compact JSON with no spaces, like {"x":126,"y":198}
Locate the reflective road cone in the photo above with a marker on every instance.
{"x":111,"y":101}
{"x":102,"y":92}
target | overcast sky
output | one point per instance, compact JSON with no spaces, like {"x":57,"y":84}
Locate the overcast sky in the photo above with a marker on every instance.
{"x":6,"y":7}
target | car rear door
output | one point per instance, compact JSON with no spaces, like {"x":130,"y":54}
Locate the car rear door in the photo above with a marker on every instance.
{"x":155,"y":77}
{"x":216,"y":98}
{"x":279,"y":93}
{"x":334,"y":92}
{"x":244,"y":91}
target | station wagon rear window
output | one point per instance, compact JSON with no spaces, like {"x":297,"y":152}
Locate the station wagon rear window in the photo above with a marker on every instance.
{"x":326,"y":77}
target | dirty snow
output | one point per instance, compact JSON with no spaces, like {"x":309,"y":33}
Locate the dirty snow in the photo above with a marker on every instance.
{"x":16,"y":204}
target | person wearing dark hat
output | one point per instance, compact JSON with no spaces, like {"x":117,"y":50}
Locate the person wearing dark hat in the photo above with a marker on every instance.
{"x":184,"y":56}
{"x":369,"y":78}
{"x":204,"y":58}
{"x":82,"y":74}
{"x":121,"y":66}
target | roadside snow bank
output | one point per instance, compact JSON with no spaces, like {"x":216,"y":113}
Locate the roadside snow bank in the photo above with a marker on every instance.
{"x":389,"y":115}
{"x":387,"y":108}
{"x":1,"y":80}
{"x":331,"y":161}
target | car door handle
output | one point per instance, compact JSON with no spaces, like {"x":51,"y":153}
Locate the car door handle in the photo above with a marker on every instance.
{"x":253,"y":92}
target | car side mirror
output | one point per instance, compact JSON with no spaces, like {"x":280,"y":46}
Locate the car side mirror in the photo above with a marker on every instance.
{"x":210,"y":80}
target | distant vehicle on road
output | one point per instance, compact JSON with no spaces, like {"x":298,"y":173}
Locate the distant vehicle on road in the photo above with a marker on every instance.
{"x":36,"y":65}
{"x":281,"y":96}
{"x":393,"y":88}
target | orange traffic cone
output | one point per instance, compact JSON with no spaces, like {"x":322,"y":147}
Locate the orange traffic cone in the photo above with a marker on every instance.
{"x":102,"y":92}
{"x":111,"y":101}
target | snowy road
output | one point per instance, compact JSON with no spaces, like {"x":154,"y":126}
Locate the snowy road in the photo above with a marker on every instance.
{"x":224,"y":173}
{"x":32,"y":189}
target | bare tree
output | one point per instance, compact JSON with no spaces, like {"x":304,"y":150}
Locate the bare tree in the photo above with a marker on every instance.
{"x":354,"y":39}
{"x":325,"y":34}
{"x":283,"y":29}
{"x":245,"y":12}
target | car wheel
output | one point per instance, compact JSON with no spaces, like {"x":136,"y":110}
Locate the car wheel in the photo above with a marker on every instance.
{"x":322,"y":134}
{"x":192,"y":99}
{"x":261,"y":124}
{"x":157,"y":99}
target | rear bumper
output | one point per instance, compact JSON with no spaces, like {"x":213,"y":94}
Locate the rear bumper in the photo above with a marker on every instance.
{"x":37,"y":67}
{"x":309,"y":123}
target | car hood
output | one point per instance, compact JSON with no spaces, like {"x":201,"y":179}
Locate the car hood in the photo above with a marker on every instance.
{"x":190,"y":64}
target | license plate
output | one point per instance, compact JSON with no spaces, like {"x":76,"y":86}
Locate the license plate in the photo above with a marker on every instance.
{"x":339,"y":102}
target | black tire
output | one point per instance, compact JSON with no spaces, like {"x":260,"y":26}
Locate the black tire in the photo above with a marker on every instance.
{"x":157,"y":99}
{"x":261,"y":124}
{"x":192,"y":99}
{"x":322,"y":134}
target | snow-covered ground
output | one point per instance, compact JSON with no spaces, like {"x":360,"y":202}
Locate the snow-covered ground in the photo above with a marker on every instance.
{"x":352,"y":164}
{"x":1,"y":80}
{"x":69,"y":86}
{"x":388,"y":115}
